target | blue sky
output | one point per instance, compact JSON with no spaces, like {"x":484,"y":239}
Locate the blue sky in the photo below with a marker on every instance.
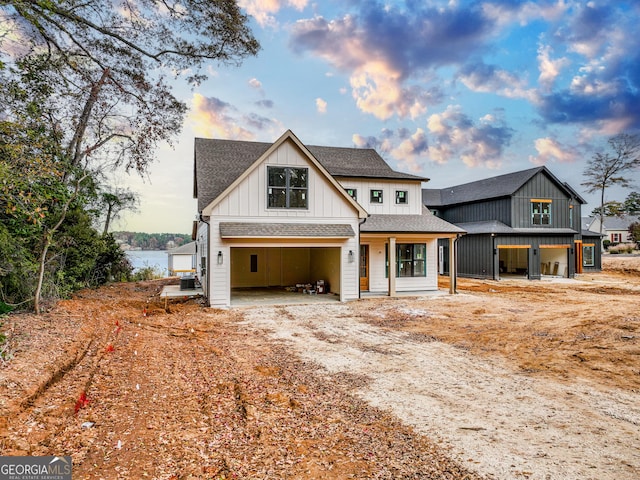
{"x":452,"y":90}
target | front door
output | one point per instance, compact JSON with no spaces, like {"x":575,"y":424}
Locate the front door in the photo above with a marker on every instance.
{"x":364,"y":268}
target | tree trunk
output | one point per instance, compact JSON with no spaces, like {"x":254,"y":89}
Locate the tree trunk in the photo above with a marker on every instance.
{"x":41,"y":267}
{"x":107,"y":220}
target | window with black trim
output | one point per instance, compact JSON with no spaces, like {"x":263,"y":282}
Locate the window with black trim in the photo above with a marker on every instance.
{"x":588,"y":254}
{"x":541,"y":212}
{"x":353,"y":193}
{"x":287,"y":187}
{"x":376,"y":196}
{"x":402,"y":197}
{"x":411,"y":260}
{"x":253,"y":267}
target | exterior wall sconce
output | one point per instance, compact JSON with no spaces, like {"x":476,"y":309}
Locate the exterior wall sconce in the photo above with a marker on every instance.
{"x":219,"y":257}
{"x":350,"y":256}
{"x":535,"y":252}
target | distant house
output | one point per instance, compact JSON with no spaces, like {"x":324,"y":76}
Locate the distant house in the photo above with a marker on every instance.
{"x":283,"y":214}
{"x":615,"y":228}
{"x":525,"y":223}
{"x":182,"y":260}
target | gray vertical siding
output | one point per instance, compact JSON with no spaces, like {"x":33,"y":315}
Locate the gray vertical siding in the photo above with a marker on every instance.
{"x":542,"y":187}
{"x":495,"y":209}
{"x":475,"y":256}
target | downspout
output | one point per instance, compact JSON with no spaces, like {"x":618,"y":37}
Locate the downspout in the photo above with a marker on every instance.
{"x":455,"y":264}
{"x":360,"y":223}
{"x":206,"y":293}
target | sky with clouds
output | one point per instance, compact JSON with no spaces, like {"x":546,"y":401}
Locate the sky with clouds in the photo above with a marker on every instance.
{"x":452,"y":90}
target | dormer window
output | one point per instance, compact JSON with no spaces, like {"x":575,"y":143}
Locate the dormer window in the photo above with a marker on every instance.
{"x":402,"y":197}
{"x":540,"y":212}
{"x":287,"y":187}
{"x":376,"y":196}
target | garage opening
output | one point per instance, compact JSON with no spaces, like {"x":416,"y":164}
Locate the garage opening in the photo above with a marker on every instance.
{"x":513,"y":260}
{"x":554,"y":260}
{"x":286,"y":269}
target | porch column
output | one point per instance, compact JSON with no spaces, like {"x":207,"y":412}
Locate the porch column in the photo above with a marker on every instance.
{"x":392,"y":266}
{"x":452,"y":266}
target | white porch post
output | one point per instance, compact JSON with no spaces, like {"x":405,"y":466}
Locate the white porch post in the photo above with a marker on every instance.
{"x":392,"y":266}
{"x":452,"y":265}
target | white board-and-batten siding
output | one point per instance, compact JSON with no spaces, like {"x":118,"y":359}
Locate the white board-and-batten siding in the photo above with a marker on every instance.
{"x":389,"y":188}
{"x":248,"y":202}
{"x":250,"y":197}
{"x":379,"y":283}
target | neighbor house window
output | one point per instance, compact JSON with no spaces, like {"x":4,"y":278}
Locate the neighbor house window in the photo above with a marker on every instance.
{"x":410,"y":260}
{"x":541,"y":212}
{"x":588,"y":252}
{"x":287,"y":187}
{"x":253,"y":263}
{"x":353,"y":193}
{"x":616,"y":237}
{"x":376,"y":196}
{"x":401,"y":196}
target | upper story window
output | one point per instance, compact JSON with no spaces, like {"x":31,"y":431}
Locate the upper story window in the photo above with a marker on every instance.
{"x":376,"y":196}
{"x":287,"y":187}
{"x":402,"y":197}
{"x":353,"y":193}
{"x":541,"y":212}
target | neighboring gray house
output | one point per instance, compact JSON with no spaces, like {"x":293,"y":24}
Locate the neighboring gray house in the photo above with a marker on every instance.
{"x":525,"y":223}
{"x":282,"y":214}
{"x":615,"y":228}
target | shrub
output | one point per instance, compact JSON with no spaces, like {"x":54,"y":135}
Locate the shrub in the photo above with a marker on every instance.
{"x":622,"y":248}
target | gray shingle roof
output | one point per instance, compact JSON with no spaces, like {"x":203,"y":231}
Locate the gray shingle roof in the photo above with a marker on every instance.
{"x":489,"y":226}
{"x":218,"y":163}
{"x":493,"y":187}
{"x":250,"y":229}
{"x":186,"y":249}
{"x":620,"y":223}
{"x":427,"y":222}
{"x":497,"y":227}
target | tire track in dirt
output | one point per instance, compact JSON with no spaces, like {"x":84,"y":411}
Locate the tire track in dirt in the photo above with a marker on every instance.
{"x":501,"y":423}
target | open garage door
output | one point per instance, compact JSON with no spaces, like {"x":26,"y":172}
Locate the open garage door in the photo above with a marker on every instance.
{"x":282,"y":267}
{"x":554,"y":260}
{"x":513,"y":260}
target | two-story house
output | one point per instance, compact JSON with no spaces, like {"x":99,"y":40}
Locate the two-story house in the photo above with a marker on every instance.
{"x":525,"y":223}
{"x":614,"y":228}
{"x":282,"y":214}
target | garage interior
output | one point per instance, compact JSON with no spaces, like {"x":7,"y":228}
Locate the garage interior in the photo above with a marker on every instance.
{"x":513,"y":260}
{"x":280,"y":268}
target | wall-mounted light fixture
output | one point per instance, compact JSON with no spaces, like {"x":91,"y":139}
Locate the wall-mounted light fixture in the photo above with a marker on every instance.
{"x":350,"y":256}
{"x":219,"y":257}
{"x":535,"y":252}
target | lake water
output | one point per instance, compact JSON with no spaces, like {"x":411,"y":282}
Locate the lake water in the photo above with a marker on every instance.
{"x":156,"y":259}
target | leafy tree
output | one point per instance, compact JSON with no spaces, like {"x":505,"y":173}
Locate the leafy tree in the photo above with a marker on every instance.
{"x":634,"y":231}
{"x":606,"y":169}
{"x":632,"y":203}
{"x":610,"y":209}
{"x":85,"y":87}
{"x":108,"y":65}
{"x":115,"y":202}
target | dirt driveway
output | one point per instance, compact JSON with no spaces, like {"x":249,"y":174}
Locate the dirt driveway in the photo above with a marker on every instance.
{"x":492,"y":418}
{"x":506,"y":380}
